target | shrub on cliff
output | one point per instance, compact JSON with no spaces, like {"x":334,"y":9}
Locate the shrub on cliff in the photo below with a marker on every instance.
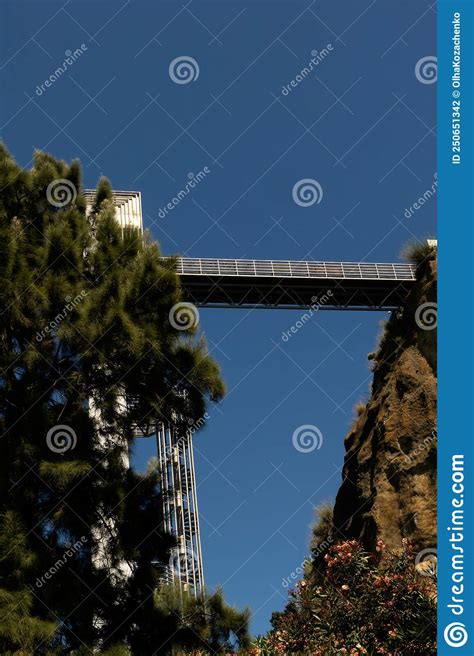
{"x":419,"y":252}
{"x":367,"y":604}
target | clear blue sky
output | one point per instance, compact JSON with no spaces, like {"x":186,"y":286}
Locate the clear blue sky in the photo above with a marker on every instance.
{"x":361,"y":124}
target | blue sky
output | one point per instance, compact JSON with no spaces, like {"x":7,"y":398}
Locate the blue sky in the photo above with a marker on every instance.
{"x":361,"y":124}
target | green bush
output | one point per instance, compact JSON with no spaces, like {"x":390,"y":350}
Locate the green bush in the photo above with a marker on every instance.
{"x":418,"y":252}
{"x":368,"y":604}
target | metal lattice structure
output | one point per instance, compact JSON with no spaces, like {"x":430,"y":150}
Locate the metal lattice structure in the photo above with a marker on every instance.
{"x":180,"y":508}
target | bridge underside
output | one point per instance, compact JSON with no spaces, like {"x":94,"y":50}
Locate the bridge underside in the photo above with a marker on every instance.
{"x":290,"y":293}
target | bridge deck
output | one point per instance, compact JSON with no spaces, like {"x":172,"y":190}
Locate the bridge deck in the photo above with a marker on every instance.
{"x":290,"y":284}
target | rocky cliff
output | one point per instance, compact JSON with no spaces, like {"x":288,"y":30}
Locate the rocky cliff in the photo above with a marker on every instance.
{"x":388,"y":488}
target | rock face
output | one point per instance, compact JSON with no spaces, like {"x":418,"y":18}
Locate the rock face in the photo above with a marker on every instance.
{"x":388,"y":489}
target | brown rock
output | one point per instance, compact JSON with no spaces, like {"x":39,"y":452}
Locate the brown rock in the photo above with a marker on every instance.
{"x":388,"y":486}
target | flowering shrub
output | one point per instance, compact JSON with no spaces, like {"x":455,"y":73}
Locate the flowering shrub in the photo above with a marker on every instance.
{"x":365,"y":604}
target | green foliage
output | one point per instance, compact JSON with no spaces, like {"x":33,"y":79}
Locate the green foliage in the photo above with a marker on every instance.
{"x":84,"y":324}
{"x":21,"y":632}
{"x":205,"y":623}
{"x":117,"y":650}
{"x":367,"y":604}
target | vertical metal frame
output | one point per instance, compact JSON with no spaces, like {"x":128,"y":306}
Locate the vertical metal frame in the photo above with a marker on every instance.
{"x":177,"y":482}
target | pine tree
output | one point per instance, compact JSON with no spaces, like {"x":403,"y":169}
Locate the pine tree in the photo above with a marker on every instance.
{"x":206,"y":623}
{"x":84,"y":324}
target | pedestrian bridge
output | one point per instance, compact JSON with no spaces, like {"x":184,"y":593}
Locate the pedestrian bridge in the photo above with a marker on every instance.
{"x":278,"y":283}
{"x":290,"y":284}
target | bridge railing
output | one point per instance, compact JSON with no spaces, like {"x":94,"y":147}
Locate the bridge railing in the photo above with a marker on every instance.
{"x":295,"y":269}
